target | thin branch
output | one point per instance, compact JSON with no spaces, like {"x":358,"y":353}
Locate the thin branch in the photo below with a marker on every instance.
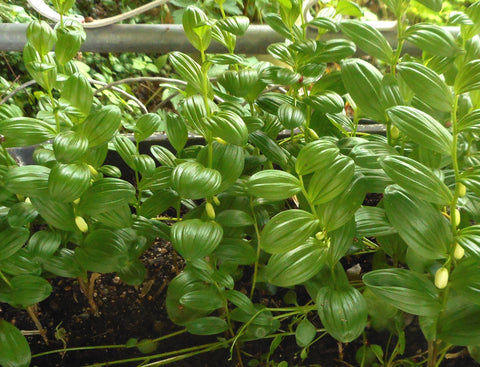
{"x":17,"y":90}
{"x":121,"y":91}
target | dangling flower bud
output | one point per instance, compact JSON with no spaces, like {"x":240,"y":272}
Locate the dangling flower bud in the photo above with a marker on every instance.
{"x":441,"y":278}
{"x":81,"y":224}
{"x":459,"y":252}
{"x":210,"y":211}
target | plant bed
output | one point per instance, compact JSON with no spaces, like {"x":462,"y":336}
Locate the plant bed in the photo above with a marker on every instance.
{"x":279,"y":248}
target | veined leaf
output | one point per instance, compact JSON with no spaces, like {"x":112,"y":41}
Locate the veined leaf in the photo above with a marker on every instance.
{"x":194,"y":181}
{"x":316,"y":156}
{"x":432,"y":39}
{"x":24,"y":131}
{"x":468,"y":78}
{"x":372,"y":222}
{"x":14,"y":348}
{"x":273,"y":185}
{"x":101,"y":126}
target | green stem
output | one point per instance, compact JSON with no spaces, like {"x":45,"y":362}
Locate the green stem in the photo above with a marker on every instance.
{"x":5,"y":279}
{"x":305,"y":193}
{"x":257,"y":259}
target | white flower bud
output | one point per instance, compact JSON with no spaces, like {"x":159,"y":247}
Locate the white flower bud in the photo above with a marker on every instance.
{"x":441,"y":278}
{"x":210,"y":211}
{"x":81,"y":224}
{"x":459,"y":252}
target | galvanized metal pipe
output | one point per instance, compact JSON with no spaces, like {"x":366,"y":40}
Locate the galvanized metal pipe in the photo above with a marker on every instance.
{"x":163,"y":38}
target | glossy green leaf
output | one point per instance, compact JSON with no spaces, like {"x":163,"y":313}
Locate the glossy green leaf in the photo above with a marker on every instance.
{"x":465,"y":279}
{"x":205,"y":300}
{"x":282,"y":52}
{"x":421,"y":128}
{"x":269,"y":148}
{"x":14,"y":348}
{"x":12,"y":240}
{"x":363,"y":82}
{"x":27,"y":180}
{"x":207,"y":326}
{"x":158,"y":180}
{"x":240,"y":300}
{"x":24,"y":131}
{"x":235,"y":251}
{"x":101,"y":125}
{"x":469,"y":239}
{"x":228,"y":126}
{"x":325,"y":23}
{"x":291,"y":116}
{"x":177,"y":131}
{"x":78,"y":92}
{"x":70,"y":37}
{"x":305,"y":333}
{"x":276,"y":23}
{"x":343,"y":312}
{"x":194,"y":239}
{"x":433,"y":39}
{"x":404,"y":289}
{"x":427,"y":85}
{"x":194,"y":181}
{"x":67,"y":182}
{"x":193,"y":19}
{"x":417,"y":178}
{"x":287,"y":230}
{"x":188,"y":69}
{"x":335,"y":213}
{"x":234,"y":218}
{"x":69,"y":146}
{"x":368,"y":154}
{"x":43,"y":244}
{"x":336,"y":50}
{"x":331,"y":181}
{"x":368,"y":39}
{"x":435,"y":5}
{"x":372,"y":222}
{"x":316,"y":156}
{"x":236,"y":25}
{"x":419,"y":223}
{"x":103,"y":251}
{"x":25,"y":290}
{"x":326,"y":101}
{"x":105,"y":193}
{"x":146,"y":125}
{"x":459,"y":324}
{"x":470,"y":122}
{"x":468,"y":78}
{"x":271,"y":101}
{"x":158,"y":203}
{"x":390,"y":92}
{"x":64,"y":265}
{"x":57,"y":214}
{"x":341,"y":240}
{"x":273,"y":185}
{"x":163,"y":155}
{"x":21,"y":214}
{"x":118,"y":216}
{"x":348,"y":7}
{"x":296,"y":266}
{"x":239,"y":83}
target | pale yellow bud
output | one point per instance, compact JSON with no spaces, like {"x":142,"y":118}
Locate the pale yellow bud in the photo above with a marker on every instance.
{"x":92,"y":169}
{"x":459,"y":252}
{"x":457,"y":217}
{"x":462,"y":190}
{"x":216,"y":200}
{"x":27,"y":200}
{"x":81,"y":224}
{"x":441,"y":278}
{"x":320,"y":235}
{"x":76,"y":201}
{"x":394,"y":133}
{"x":210,"y":211}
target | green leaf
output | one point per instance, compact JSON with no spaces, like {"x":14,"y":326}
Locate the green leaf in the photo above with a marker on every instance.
{"x":390,"y":92}
{"x":234,"y":218}
{"x":101,"y":125}
{"x":433,"y":39}
{"x":326,"y":101}
{"x":470,"y":122}
{"x":235,"y":251}
{"x":417,"y":178}
{"x":118,"y":216}
{"x":420,"y":224}
{"x":276,"y":23}
{"x":43,"y":244}
{"x":25,"y":290}
{"x":363,"y":82}
{"x":406,"y":290}
{"x":459,"y":324}
{"x":331,"y":181}
{"x":14,"y":348}
{"x":296,"y":266}
{"x":240,"y":300}
{"x":163,"y":155}
{"x":287,"y":230}
{"x":325,"y":23}
{"x":21,"y":214}
{"x":421,"y":128}
{"x":28,"y":181}
{"x":335,"y":213}
{"x":146,"y":125}
{"x":269,"y":148}
{"x":435,"y":5}
{"x":144,"y":164}
{"x":177,"y":131}
{"x":158,"y":180}
{"x":56,"y":214}
{"x":103,"y":251}
{"x":205,"y":299}
{"x":347,"y":7}
{"x":465,"y":279}
{"x":343,"y":312}
{"x":158,"y":203}
{"x":239,"y":83}
{"x":469,"y":239}
{"x":193,"y":19}
{"x":316,"y":156}
{"x":194,"y":239}
{"x":368,"y":39}
{"x":12,"y":240}
{"x":207,"y":326}
{"x":290,"y":116}
{"x":467,"y":80}
{"x":336,"y":50}
{"x":78,"y":92}
{"x":273,"y":185}
{"x":194,"y":181}
{"x":67,"y":182}
{"x":372,"y":222}
{"x":341,"y":240}
{"x":64,"y":265}
{"x":126,"y":149}
{"x":427,"y":85}
{"x":69,"y":146}
{"x":228,"y":126}
{"x":105,"y":193}
{"x":305,"y":333}
{"x":189,"y":70}
{"x":236,"y":25}
{"x":25,"y":131}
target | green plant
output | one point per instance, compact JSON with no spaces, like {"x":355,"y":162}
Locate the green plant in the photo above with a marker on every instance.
{"x":281,"y":211}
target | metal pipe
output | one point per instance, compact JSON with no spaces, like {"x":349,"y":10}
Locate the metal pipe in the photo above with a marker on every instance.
{"x":163,"y":38}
